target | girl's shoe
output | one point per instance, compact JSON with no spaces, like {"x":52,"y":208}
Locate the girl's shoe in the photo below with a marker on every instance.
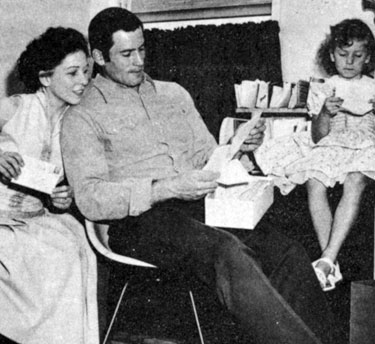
{"x":327,"y":282}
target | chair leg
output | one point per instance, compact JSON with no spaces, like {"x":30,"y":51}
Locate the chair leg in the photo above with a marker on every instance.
{"x":196,"y":316}
{"x":115,"y":312}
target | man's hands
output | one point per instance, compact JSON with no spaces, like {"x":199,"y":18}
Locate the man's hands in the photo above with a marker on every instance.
{"x":255,"y":138}
{"x":190,"y":185}
{"x":62,"y":197}
{"x":196,"y":184}
{"x":10,"y":164}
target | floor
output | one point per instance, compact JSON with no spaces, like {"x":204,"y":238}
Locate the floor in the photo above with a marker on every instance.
{"x":157,"y":312}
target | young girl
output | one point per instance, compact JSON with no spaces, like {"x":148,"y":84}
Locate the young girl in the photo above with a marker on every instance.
{"x":341,"y":146}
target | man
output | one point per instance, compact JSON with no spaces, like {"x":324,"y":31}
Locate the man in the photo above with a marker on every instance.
{"x":133,"y":151}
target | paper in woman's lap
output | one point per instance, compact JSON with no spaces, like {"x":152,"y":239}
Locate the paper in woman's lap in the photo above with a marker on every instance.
{"x":39,"y":175}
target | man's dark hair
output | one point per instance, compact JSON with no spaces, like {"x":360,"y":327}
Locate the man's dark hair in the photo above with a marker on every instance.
{"x":106,"y":23}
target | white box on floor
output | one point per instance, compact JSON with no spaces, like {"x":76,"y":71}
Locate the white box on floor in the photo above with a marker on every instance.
{"x":240,"y":206}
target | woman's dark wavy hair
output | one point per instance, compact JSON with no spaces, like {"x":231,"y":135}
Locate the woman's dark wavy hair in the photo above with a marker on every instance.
{"x":343,"y":34}
{"x":46,"y":52}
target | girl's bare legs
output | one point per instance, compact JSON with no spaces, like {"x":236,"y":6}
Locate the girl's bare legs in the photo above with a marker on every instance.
{"x":333,"y":232}
{"x":320,"y":211}
{"x":346,"y":213}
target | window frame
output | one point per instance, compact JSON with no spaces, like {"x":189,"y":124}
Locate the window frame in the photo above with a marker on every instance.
{"x":175,"y":10}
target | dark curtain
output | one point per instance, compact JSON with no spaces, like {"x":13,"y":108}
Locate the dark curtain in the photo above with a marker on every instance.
{"x":208,"y":60}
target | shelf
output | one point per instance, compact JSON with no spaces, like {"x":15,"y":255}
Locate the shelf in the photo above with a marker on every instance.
{"x":274,"y":111}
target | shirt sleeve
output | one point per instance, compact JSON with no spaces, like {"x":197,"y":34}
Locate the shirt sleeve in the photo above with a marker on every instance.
{"x":204,"y":142}
{"x":87,"y":171}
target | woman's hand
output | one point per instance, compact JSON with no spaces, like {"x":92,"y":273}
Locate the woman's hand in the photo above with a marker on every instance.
{"x":10,"y":164}
{"x":62,"y":197}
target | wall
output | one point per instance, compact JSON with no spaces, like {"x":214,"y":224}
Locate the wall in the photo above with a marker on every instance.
{"x":304,"y":24}
{"x":22,"y":20}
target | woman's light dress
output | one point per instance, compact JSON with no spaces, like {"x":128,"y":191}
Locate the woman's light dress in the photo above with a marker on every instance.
{"x":47,"y":269}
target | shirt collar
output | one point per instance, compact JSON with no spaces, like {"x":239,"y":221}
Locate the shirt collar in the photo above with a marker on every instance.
{"x":108,"y":88}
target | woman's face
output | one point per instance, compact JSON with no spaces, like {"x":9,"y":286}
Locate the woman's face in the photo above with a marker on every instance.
{"x":69,"y":79}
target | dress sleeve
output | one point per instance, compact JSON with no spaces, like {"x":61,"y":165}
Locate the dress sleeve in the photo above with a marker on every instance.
{"x":8,"y":108}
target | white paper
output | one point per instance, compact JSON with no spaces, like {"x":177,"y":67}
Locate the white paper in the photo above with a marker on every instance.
{"x":356,"y":101}
{"x":233,"y":173}
{"x":38,"y":175}
{"x":222,"y":155}
{"x":246,"y":93}
{"x":262,"y":99}
{"x":251,"y":94}
{"x":243,"y":131}
{"x":318,"y":93}
{"x":281,"y":95}
{"x":288,"y":126}
{"x":226,"y":130}
{"x":237,"y":94}
{"x":293,"y":97}
{"x":247,"y":192}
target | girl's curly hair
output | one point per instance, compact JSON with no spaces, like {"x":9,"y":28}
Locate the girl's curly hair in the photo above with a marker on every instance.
{"x":343,"y":34}
{"x":46,"y":52}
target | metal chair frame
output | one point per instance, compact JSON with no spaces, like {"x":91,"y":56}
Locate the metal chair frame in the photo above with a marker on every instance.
{"x":98,"y":236}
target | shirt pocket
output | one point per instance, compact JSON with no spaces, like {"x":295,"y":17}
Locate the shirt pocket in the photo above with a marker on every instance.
{"x":118,"y":125}
{"x":175,"y":122}
{"x":123,"y":137}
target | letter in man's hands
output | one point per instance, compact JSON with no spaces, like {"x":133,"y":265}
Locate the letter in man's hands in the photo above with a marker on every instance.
{"x":225,"y":153}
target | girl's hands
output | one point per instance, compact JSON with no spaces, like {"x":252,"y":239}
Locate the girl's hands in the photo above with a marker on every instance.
{"x":332,"y":105}
{"x":62,"y":197}
{"x":10,"y":164}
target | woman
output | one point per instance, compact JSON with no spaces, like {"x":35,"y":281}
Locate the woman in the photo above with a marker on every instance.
{"x":47,"y":270}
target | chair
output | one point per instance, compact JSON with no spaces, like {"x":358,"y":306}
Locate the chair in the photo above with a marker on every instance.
{"x":98,"y":236}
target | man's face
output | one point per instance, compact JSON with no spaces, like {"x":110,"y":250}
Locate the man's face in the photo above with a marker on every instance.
{"x":126,"y":58}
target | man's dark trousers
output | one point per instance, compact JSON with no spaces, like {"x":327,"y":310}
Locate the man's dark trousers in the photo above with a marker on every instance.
{"x":266,"y":281}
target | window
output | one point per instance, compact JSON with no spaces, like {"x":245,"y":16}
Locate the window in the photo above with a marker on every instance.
{"x":173,"y":10}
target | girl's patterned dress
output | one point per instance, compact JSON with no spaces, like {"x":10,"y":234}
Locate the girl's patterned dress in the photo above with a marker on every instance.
{"x":349,"y":146}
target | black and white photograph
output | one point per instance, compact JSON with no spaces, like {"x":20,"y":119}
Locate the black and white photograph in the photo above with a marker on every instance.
{"x":187,"y":172}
